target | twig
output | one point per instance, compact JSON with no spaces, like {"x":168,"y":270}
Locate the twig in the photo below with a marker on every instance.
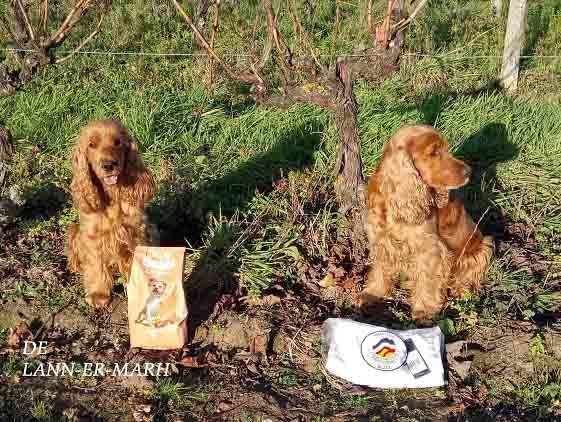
{"x":245,"y":234}
{"x":28,"y":26}
{"x":404,"y":22}
{"x":472,"y":233}
{"x":87,"y":40}
{"x":254,"y":28}
{"x":253,"y":33}
{"x":336,"y":28}
{"x":385,"y":30}
{"x":10,"y":31}
{"x":281,"y":46}
{"x":266,"y":53}
{"x":369,"y":19}
{"x":68,"y":23}
{"x":302,"y":32}
{"x":212,"y":37}
{"x":44,"y":17}
{"x":254,"y":78}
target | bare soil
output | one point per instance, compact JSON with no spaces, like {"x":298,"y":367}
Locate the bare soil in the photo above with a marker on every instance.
{"x":252,"y":361}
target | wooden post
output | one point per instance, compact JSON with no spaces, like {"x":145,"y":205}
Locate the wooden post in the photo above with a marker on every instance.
{"x":496,"y":7}
{"x":514,"y":40}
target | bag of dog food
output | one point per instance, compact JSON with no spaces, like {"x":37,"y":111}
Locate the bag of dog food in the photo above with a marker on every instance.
{"x":156,"y":302}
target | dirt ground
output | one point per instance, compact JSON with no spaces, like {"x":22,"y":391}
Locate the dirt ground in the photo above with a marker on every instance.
{"x":259,"y":360}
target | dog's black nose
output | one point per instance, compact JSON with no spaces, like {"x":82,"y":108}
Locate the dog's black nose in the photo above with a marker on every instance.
{"x":108,"y":165}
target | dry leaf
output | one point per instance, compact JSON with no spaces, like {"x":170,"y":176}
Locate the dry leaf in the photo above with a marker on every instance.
{"x":328,"y":281}
{"x":259,"y":344}
{"x":338,"y":273}
{"x":18,"y":335}
{"x":253,"y":368}
{"x":201,"y":360}
{"x":191,"y":362}
{"x":349,"y":283}
{"x":252,"y":300}
{"x":224,"y":406}
{"x":270,"y":300}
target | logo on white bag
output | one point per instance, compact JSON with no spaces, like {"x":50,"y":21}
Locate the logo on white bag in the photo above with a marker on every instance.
{"x":384,"y":351}
{"x":164,"y":263}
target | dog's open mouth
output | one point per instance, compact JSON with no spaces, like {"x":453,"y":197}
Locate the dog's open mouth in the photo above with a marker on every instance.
{"x":110,"y":180}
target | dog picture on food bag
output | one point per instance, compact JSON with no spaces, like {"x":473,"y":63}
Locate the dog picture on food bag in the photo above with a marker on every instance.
{"x":151,"y":314}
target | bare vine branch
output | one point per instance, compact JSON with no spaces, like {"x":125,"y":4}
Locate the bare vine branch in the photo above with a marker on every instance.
{"x":370,"y":25}
{"x":25,"y":17}
{"x":336,"y":27}
{"x":404,"y":22}
{"x":303,"y":33}
{"x":332,"y":91}
{"x":252,"y":78}
{"x":215,"y":23}
{"x":283,"y":52}
{"x":71,"y":20}
{"x":36,"y":49}
{"x":44,"y":17}
{"x":8,"y":28}
{"x":266,"y":53}
{"x":86,"y":40}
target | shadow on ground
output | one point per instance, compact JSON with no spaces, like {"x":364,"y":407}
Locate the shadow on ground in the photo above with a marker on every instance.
{"x":182,"y":215}
{"x":44,"y":201}
{"x":483,"y":151}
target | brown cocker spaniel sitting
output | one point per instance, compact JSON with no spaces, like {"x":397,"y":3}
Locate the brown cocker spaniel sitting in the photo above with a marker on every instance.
{"x":110,"y":187}
{"x":416,"y":229}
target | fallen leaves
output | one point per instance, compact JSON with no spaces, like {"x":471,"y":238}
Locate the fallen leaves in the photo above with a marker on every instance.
{"x":350,"y":283}
{"x":202,"y":360}
{"x":258,"y":344}
{"x":345,"y":269}
{"x":19,"y":334}
{"x":268,"y":300}
{"x":328,"y":281}
{"x":337,"y":278}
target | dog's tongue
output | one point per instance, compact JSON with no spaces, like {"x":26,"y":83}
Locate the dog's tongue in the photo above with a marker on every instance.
{"x":110,"y":180}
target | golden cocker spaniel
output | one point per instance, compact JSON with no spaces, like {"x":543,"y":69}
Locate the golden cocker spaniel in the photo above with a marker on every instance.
{"x":416,"y":229}
{"x":110,"y":187}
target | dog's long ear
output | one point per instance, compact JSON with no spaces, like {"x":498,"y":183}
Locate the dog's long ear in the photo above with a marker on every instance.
{"x":84,"y":192}
{"x":138,"y":187}
{"x":408,"y":197}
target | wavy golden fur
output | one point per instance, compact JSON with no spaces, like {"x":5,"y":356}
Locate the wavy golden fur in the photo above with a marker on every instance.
{"x":110,"y":187}
{"x":415,"y":228}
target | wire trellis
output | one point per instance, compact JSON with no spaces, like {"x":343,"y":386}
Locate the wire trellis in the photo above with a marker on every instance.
{"x":179,"y":54}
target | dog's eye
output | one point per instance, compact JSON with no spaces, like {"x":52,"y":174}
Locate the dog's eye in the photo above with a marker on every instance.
{"x":117,"y":142}
{"x":93,"y":141}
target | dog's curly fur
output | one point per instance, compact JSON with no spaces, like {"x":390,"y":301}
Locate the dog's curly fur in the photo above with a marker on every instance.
{"x":110,"y":187}
{"x":415,"y":228}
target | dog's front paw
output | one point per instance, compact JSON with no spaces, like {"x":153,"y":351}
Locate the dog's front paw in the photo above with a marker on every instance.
{"x":97,"y":300}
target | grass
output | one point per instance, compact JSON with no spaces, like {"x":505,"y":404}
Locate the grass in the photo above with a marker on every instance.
{"x":175,"y":398}
{"x":248,"y":189}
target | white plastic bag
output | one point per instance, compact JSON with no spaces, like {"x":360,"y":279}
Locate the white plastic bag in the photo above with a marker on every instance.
{"x":377,"y":357}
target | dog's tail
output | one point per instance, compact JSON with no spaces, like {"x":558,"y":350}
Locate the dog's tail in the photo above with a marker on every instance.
{"x":72,"y":248}
{"x":471,"y":268}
